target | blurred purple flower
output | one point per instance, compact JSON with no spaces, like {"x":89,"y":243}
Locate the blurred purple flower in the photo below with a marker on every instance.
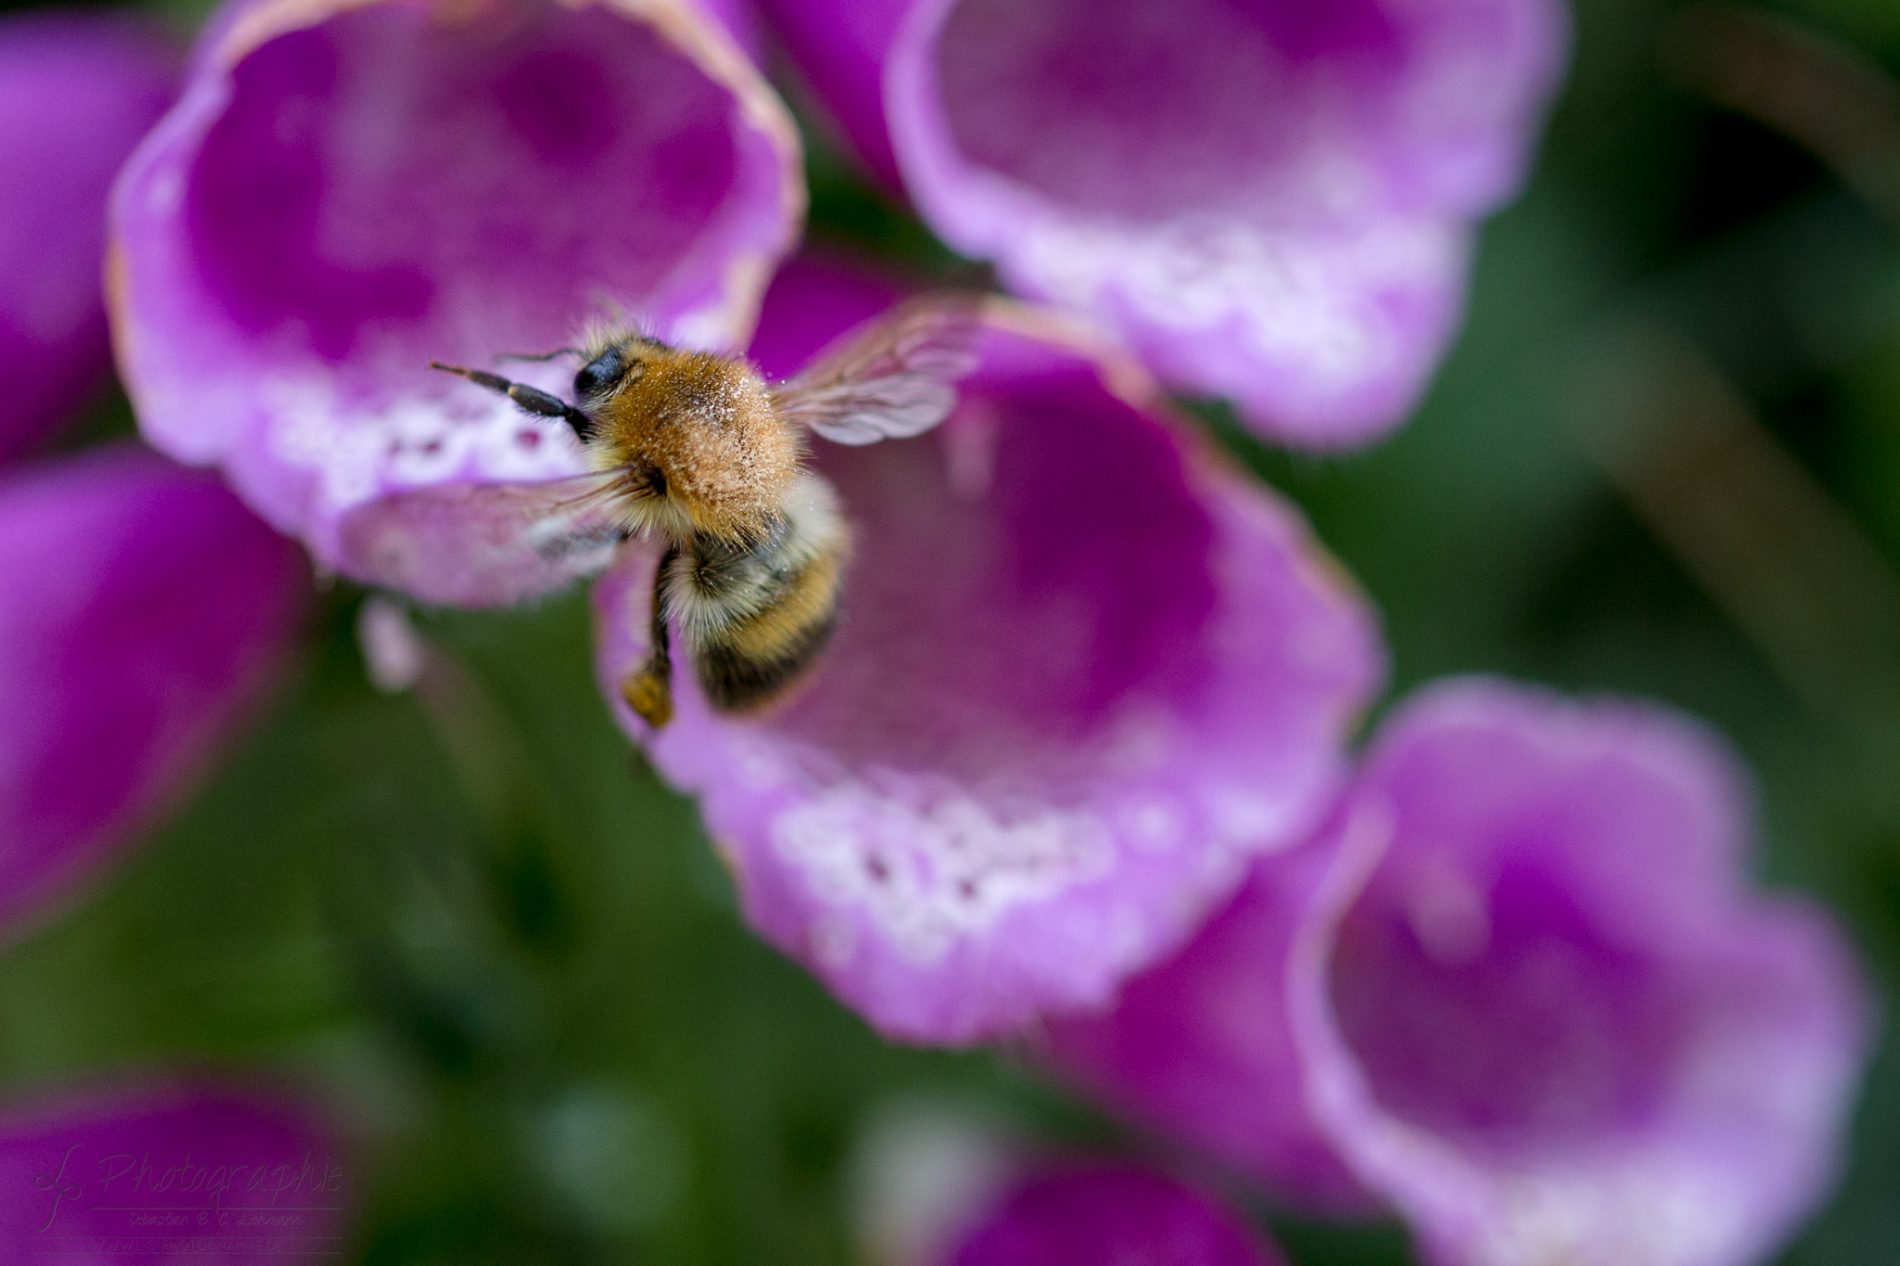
{"x":1095,"y":1213}
{"x":943,"y":1185}
{"x":349,"y":190}
{"x":77,"y":90}
{"x":159,"y":1174}
{"x":1271,"y":202}
{"x":1534,"y":1003}
{"x":1084,"y":672}
{"x":141,"y":611}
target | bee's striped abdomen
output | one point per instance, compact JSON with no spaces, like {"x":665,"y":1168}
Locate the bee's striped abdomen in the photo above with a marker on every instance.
{"x":757,"y":618}
{"x":752,"y":662}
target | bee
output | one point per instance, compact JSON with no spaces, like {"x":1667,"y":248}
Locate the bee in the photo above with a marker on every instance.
{"x":696,"y":449}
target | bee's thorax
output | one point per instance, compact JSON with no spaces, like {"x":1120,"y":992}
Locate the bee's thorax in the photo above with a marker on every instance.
{"x":699,"y":438}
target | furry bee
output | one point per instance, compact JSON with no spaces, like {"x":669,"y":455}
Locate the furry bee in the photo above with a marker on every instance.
{"x":698,"y":450}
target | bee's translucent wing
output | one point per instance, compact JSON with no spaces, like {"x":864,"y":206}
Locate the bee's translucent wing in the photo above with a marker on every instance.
{"x":486,"y":543}
{"x":891,"y":378}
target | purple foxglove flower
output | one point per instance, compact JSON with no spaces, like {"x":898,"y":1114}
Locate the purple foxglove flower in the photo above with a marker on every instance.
{"x":347,"y":191}
{"x":1092,"y":1213}
{"x":170,"y":1174}
{"x":1083,"y":673}
{"x":142,"y":609}
{"x":1270,"y":202}
{"x":1535,"y":1005}
{"x":77,"y":91}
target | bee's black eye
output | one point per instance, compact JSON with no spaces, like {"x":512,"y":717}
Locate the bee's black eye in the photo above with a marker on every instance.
{"x":598,"y":374}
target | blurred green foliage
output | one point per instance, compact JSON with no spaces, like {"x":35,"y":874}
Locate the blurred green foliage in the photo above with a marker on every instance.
{"x":479,"y":921}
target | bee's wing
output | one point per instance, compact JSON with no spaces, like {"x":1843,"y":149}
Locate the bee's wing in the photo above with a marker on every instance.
{"x":891,"y":378}
{"x":486,"y":543}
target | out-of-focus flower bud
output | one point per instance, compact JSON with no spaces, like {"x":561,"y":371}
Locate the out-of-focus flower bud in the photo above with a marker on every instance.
{"x":142,"y":611}
{"x":77,"y":91}
{"x":940,"y":1187}
{"x":1086,"y":1214}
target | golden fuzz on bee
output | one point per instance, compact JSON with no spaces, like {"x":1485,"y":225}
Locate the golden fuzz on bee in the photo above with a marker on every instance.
{"x":706,"y":423}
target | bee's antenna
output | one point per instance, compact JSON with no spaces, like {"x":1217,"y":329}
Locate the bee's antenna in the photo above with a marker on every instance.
{"x":529,"y":399}
{"x":540,"y":356}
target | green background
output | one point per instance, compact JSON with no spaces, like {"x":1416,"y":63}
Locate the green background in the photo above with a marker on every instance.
{"x":1664,"y":458}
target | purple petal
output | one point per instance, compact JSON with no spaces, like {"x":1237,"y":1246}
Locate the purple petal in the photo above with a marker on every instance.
{"x":142,"y":610}
{"x":1202,"y":1049}
{"x":817,"y":295}
{"x":348,"y":192}
{"x":1083,"y":673}
{"x":1092,"y":1214}
{"x":170,"y":1175}
{"x":740,"y":19}
{"x":1553,"y":1025}
{"x":840,"y":51}
{"x":77,"y":91}
{"x":1270,"y":202}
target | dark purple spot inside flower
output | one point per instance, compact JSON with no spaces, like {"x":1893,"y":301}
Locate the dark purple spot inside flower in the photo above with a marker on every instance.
{"x":262,"y":223}
{"x":1352,"y":29}
{"x":1509,"y":1025}
{"x":1144,"y":109}
{"x":368,"y":172}
{"x":1073,"y":582}
{"x":552,"y":100}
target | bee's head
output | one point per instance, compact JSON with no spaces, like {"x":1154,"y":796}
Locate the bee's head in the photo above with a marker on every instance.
{"x":612,"y":364}
{"x":696,"y":431}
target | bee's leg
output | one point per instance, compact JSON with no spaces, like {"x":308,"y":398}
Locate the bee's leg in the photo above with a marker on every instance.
{"x":528,"y":399}
{"x":649,"y":692}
